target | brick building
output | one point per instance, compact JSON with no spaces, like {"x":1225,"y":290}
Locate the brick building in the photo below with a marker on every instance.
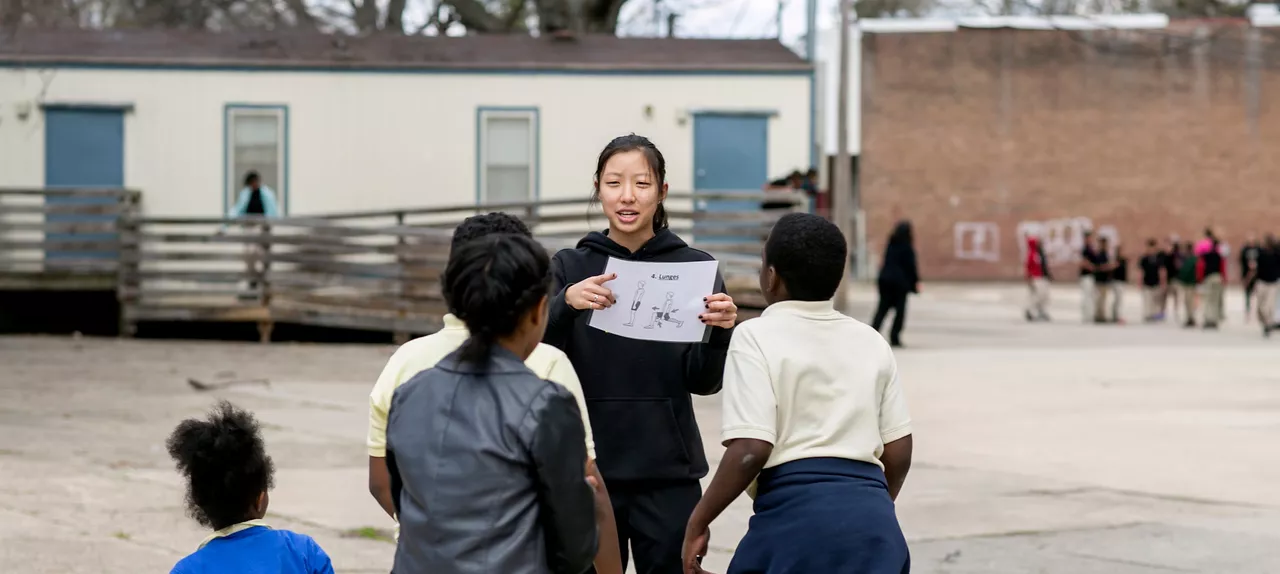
{"x":978,"y":135}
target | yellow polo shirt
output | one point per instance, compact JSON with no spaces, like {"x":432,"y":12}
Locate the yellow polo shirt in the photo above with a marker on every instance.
{"x":423,"y":353}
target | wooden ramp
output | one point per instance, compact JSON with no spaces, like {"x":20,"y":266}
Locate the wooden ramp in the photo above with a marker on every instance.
{"x":376,"y":271}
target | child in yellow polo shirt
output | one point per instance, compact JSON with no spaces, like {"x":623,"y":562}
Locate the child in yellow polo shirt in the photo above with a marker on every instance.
{"x":424,"y":353}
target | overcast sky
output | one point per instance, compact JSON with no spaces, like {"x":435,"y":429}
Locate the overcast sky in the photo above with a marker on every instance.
{"x":726,"y":18}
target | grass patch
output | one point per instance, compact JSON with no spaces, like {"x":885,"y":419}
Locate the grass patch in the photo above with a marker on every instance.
{"x":371,"y":533}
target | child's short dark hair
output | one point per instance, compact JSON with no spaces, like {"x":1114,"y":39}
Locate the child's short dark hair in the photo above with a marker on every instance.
{"x":477,"y":226}
{"x":251,"y":177}
{"x":491,"y":283}
{"x":226,"y":465}
{"x":808,"y":253}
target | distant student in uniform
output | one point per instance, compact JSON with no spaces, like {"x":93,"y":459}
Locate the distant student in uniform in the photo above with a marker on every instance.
{"x":1154,"y":282}
{"x":1267,"y":275}
{"x":1249,"y":253}
{"x":1119,"y":282}
{"x":228,"y":475}
{"x":1211,"y":275}
{"x":1103,"y":268}
{"x":425,"y":352}
{"x":814,"y":415}
{"x":1088,"y":287}
{"x":1037,"y":274}
{"x":486,"y":456}
{"x":1172,"y":263}
{"x":1187,"y":284}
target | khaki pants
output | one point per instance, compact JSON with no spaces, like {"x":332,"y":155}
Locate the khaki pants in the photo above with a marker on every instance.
{"x":1212,"y":287}
{"x":1152,"y":298}
{"x":1188,"y":295}
{"x":1038,"y":297}
{"x":1100,"y":295}
{"x":1117,"y":300}
{"x":1087,"y":298}
{"x":1266,"y":300}
{"x":255,"y":255}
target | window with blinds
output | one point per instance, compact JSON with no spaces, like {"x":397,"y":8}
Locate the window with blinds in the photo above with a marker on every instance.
{"x":255,"y":142}
{"x":507,"y":162}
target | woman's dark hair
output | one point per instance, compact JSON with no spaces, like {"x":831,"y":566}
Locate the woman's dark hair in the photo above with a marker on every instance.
{"x":901,"y":234}
{"x":226,"y":465}
{"x":491,"y":283}
{"x":251,"y":177}
{"x":657,"y":164}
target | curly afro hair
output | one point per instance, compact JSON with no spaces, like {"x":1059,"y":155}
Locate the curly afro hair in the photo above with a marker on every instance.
{"x":808,"y":253}
{"x":225,"y":463}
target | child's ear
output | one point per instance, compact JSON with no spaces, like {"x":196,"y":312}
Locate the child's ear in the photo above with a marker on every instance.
{"x":260,"y":505}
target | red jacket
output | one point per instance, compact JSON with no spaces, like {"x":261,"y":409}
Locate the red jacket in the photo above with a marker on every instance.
{"x":1035,"y":259}
{"x":1209,"y":263}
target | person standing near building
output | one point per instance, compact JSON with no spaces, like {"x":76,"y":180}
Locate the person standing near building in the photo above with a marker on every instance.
{"x":1187,"y":284}
{"x":1249,"y":253}
{"x":1266,"y":274}
{"x":1088,"y":288}
{"x":1102,"y":270}
{"x":1037,"y":273}
{"x":899,"y":277}
{"x":255,"y":203}
{"x":1211,"y":274}
{"x":1172,"y":257}
{"x":1155,"y":280}
{"x":638,"y":392}
{"x":1119,"y":282}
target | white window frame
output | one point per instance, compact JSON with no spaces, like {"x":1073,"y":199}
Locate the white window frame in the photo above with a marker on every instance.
{"x":235,"y":176}
{"x":482,"y":161}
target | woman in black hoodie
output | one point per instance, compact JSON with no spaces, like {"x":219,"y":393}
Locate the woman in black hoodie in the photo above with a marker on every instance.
{"x":648,"y":447}
{"x":898,"y":278}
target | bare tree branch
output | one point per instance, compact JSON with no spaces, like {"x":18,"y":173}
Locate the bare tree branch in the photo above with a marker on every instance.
{"x":394,"y":21}
{"x":475,"y":16}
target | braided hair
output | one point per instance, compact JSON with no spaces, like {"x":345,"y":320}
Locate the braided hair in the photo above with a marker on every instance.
{"x":492,"y":283}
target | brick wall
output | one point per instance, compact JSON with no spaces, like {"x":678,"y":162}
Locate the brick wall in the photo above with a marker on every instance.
{"x":976,"y":135}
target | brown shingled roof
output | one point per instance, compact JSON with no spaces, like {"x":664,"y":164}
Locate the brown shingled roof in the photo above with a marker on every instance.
{"x":293,"y":49}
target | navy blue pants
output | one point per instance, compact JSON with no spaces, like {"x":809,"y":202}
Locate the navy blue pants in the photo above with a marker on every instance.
{"x":825,"y":515}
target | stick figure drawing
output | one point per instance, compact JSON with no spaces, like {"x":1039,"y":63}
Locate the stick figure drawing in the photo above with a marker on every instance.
{"x":663,"y":315}
{"x":635,"y":304}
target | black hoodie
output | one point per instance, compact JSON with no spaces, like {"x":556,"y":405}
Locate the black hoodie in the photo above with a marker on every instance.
{"x":637,"y":391}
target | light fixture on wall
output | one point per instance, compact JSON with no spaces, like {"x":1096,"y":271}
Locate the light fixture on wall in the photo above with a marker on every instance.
{"x":648,"y":112}
{"x":22,"y":110}
{"x":682,"y":117}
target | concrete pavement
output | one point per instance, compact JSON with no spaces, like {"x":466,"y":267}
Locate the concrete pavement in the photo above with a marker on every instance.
{"x":1049,"y":448}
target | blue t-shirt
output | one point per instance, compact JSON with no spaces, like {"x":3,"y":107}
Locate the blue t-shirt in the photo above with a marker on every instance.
{"x":258,"y":550}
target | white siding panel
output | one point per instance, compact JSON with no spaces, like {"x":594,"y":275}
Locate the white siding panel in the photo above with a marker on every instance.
{"x":386,"y":140}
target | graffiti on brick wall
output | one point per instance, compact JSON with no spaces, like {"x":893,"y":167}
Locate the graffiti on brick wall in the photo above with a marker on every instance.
{"x":977,"y":241}
{"x":1063,"y":239}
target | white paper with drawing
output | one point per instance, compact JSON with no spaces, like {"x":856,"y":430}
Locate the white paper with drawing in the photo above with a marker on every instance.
{"x":658,"y":301}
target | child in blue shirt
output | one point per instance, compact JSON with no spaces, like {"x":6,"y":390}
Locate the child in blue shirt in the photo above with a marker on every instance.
{"x":228,"y":475}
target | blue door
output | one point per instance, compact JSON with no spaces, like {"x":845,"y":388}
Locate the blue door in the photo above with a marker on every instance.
{"x":730,"y":153}
{"x":83,"y":147}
